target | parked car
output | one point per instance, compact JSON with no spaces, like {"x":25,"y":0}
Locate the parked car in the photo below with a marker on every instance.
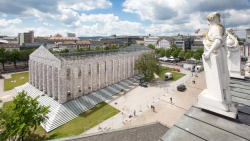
{"x":168,"y":76}
{"x":181,"y":87}
{"x":176,"y":69}
{"x":177,"y":60}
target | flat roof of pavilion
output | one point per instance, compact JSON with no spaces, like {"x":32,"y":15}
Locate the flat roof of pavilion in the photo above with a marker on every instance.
{"x":131,"y":48}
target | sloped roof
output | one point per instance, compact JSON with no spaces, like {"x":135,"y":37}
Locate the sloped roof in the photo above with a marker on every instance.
{"x":147,"y":132}
{"x":57,"y":35}
{"x":10,"y":45}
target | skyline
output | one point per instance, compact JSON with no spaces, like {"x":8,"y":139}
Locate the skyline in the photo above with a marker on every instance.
{"x":120,"y":17}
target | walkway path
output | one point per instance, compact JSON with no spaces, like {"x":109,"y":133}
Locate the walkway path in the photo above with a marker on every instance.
{"x":6,"y":95}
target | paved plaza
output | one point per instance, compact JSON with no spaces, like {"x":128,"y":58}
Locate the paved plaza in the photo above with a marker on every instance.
{"x":158,"y":93}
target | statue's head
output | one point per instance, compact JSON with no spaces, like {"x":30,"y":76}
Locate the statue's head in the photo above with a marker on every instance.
{"x":213,"y":18}
{"x":230,"y":31}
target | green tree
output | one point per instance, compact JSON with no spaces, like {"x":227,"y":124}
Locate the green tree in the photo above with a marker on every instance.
{"x":142,"y":44}
{"x":176,"y":52}
{"x":181,"y":54}
{"x":4,"y":56}
{"x":188,"y":55}
{"x":173,"y":47}
{"x":107,"y":48}
{"x":97,"y":48}
{"x":24,"y":55}
{"x":113,"y":47}
{"x":162,"y":52}
{"x":198,"y":54}
{"x":151,"y":46}
{"x":147,"y":64}
{"x":168,"y":52}
{"x":23,"y":115}
{"x":15,"y":55}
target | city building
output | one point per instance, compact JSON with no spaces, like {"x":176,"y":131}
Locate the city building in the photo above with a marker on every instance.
{"x":71,"y":34}
{"x":26,"y":37}
{"x":59,"y":38}
{"x":184,"y":42}
{"x":72,"y":45}
{"x":150,"y":40}
{"x":165,"y":43}
{"x":41,"y":40}
{"x":246,"y":47}
{"x":120,"y":41}
{"x":10,"y":47}
{"x":11,"y":40}
{"x":197,"y":44}
{"x":95,"y":43}
{"x":32,"y":45}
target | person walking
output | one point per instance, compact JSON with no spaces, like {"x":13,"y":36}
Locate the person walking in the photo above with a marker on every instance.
{"x":171,"y":100}
{"x":134,"y":113}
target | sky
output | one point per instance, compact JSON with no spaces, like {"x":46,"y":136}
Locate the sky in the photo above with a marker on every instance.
{"x":120,"y":17}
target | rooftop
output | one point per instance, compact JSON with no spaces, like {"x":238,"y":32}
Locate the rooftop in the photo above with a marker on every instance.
{"x":149,"y":132}
{"x":199,"y":125}
{"x":81,"y":55}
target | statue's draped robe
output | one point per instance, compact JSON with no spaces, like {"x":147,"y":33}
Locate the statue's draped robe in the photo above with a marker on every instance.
{"x":234,"y":58}
{"x":216,"y":69}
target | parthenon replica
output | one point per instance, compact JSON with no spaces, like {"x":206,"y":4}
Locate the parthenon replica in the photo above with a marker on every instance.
{"x":67,"y":76}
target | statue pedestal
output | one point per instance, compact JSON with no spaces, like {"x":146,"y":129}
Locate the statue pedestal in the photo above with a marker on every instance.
{"x":211,"y":104}
{"x":239,"y":76}
{"x":217,"y":96}
{"x":234,"y":62}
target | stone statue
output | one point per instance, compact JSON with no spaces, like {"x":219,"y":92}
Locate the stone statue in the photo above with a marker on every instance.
{"x":234,"y":59}
{"x":216,"y":97}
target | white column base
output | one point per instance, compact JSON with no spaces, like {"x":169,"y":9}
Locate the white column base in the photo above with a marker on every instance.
{"x":210,"y":104}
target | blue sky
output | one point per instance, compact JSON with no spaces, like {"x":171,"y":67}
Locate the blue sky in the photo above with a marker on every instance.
{"x":120,"y":17}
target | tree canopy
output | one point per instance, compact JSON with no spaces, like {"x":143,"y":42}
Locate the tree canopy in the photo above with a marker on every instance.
{"x":168,"y":52}
{"x":147,"y":64}
{"x":181,"y":54}
{"x":176,"y":52}
{"x":21,"y":116}
{"x":188,"y":55}
{"x":151,"y":46}
{"x":198,"y":53}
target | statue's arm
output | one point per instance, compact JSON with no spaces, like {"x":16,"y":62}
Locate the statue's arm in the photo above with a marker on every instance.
{"x":216,"y":44}
{"x":236,"y":43}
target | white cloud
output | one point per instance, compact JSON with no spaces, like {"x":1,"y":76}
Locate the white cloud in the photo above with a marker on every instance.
{"x":86,"y":5}
{"x":98,"y":18}
{"x":4,"y":22}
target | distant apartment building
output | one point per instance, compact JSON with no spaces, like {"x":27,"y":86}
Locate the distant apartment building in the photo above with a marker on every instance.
{"x":120,"y":41}
{"x":26,"y":37}
{"x":59,"y":38}
{"x":246,"y":46}
{"x":72,"y":45}
{"x":71,"y":34}
{"x":95,"y":43}
{"x":197,"y":44}
{"x":10,"y":47}
{"x":11,"y":40}
{"x":184,"y":42}
{"x":150,"y":40}
{"x":42,"y":40}
{"x":165,"y":43}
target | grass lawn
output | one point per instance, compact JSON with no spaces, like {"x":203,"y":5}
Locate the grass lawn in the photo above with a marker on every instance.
{"x":86,"y":120}
{"x":176,"y":75}
{"x":8,"y":85}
